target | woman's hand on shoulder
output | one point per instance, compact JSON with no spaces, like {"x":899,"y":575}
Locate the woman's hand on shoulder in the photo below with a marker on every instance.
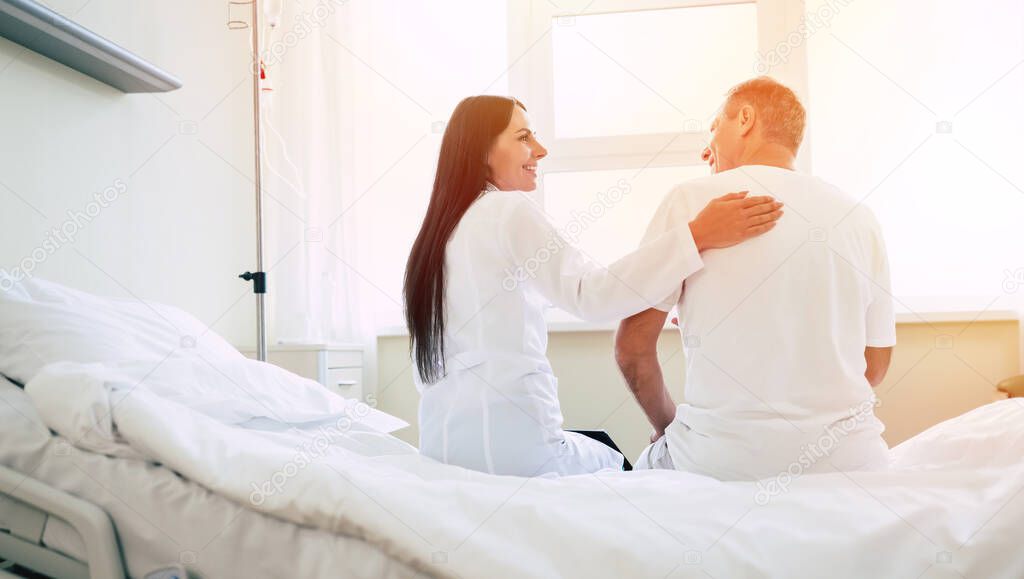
{"x":733,"y":218}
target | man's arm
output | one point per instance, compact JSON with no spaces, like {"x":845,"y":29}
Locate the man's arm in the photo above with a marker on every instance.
{"x":880,"y":315}
{"x":878,"y":364}
{"x":636,"y":352}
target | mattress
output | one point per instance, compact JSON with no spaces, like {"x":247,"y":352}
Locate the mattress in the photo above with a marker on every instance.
{"x":163,"y":519}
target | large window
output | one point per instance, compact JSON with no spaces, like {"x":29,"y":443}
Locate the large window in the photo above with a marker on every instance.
{"x":647,"y":72}
{"x":910,"y":110}
{"x":618,"y":84}
{"x":606,"y":212}
{"x":913,"y":112}
{"x":622,"y":94}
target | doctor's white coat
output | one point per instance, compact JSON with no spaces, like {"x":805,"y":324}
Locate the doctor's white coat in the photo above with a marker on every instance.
{"x":496,"y":410}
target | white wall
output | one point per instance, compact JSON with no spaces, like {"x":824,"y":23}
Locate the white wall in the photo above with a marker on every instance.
{"x":183,"y":227}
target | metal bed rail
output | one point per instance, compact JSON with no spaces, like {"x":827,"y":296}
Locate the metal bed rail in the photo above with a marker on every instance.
{"x":26,"y":504}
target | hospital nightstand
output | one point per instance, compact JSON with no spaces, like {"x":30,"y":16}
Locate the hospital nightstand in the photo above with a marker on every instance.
{"x":339,"y":367}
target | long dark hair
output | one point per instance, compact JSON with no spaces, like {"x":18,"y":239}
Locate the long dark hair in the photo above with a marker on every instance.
{"x":461,"y":176}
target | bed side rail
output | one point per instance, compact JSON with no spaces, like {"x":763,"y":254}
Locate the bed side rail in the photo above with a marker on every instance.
{"x":25,"y":505}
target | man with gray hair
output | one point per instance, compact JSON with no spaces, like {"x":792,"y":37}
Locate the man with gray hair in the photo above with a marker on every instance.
{"x":785,"y":335}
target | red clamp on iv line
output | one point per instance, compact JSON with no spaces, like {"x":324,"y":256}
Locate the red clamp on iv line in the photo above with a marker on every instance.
{"x":264,"y":84}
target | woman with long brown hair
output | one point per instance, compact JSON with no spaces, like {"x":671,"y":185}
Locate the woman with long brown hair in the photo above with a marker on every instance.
{"x":484,"y":266}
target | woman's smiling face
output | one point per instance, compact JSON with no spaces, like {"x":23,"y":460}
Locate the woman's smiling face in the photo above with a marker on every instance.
{"x":512,"y":160}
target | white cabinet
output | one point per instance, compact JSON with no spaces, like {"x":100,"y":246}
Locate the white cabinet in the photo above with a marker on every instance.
{"x":339,"y":367}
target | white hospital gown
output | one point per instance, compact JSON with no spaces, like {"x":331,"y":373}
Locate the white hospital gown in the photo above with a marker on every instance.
{"x":774,"y":331}
{"x":497,"y":408}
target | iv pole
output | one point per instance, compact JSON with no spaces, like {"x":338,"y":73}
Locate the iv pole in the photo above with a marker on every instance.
{"x":259,"y":277}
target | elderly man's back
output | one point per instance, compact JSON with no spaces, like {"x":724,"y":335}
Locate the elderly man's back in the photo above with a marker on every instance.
{"x":775,"y":331}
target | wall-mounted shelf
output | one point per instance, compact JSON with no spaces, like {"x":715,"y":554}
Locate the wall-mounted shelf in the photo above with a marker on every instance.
{"x":38,"y":28}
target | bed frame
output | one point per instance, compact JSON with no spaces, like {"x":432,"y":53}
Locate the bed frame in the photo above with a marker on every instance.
{"x":26,"y":505}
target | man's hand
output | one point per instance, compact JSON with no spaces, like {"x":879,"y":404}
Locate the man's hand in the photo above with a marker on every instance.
{"x":733,"y":218}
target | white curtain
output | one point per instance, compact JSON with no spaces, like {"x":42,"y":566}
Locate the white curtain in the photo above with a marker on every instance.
{"x":361,"y":92}
{"x":316,"y":294}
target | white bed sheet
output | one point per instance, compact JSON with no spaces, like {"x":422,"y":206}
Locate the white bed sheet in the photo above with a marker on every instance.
{"x":162,"y":518}
{"x":952,"y":505}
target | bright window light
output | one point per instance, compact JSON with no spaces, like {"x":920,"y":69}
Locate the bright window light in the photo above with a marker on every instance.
{"x":914,"y":113}
{"x":648,"y":71}
{"x":610,"y":210}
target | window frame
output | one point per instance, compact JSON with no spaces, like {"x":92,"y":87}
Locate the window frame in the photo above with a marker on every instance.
{"x":531,"y":78}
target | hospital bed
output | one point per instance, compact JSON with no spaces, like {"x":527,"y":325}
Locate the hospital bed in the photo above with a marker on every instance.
{"x":81,"y":514}
{"x":30,"y":510}
{"x":66,"y":512}
{"x":172,"y":486}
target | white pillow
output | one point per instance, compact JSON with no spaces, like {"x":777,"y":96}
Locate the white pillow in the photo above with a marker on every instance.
{"x":42,"y":322}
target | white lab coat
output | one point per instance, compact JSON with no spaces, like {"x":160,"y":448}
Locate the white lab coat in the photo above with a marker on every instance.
{"x":496,"y":410}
